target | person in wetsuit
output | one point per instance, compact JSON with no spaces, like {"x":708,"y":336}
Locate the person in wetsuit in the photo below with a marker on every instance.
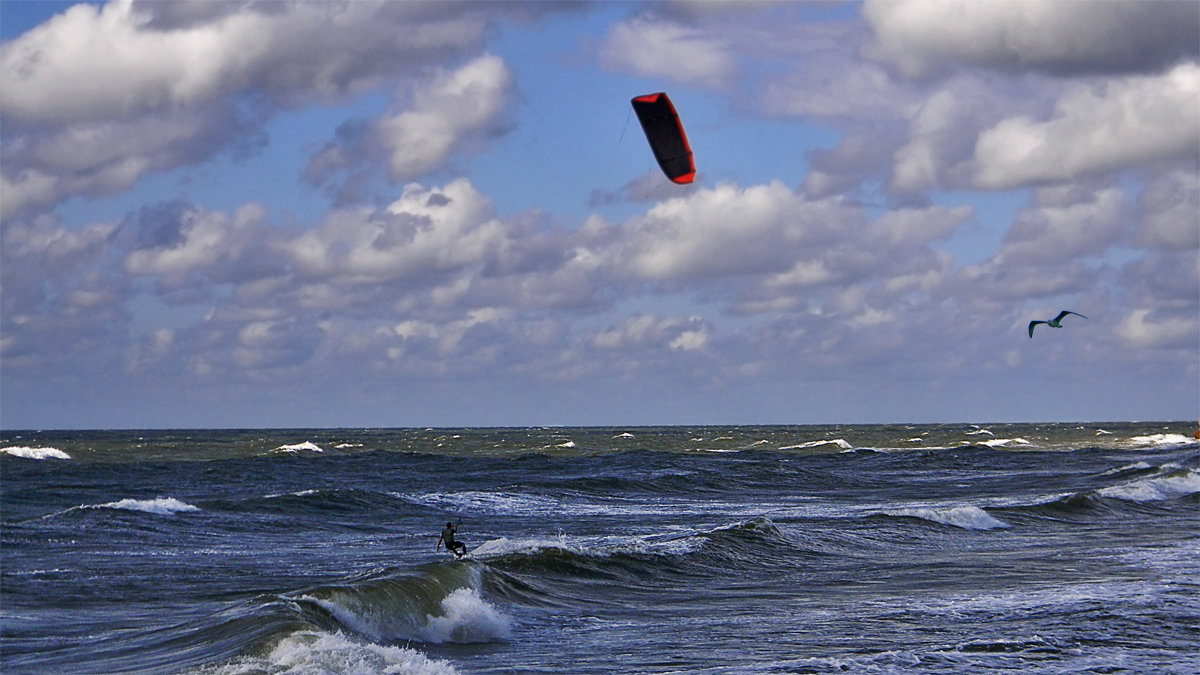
{"x":456,"y":547}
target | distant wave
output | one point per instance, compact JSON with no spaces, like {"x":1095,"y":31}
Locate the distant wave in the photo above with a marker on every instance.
{"x":34,"y":453}
{"x":965,"y":517}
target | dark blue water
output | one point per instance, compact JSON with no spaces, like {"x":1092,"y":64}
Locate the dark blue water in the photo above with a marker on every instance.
{"x":938,"y":548}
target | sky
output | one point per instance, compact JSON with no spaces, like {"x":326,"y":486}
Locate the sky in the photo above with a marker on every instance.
{"x":410,"y":214}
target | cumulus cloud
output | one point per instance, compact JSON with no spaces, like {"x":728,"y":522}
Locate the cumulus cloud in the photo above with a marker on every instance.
{"x":1065,"y":223}
{"x":1121,"y":124}
{"x":1170,"y":211}
{"x":426,"y":231}
{"x":117,"y":60}
{"x":726,"y":230}
{"x":923,"y":37}
{"x":468,"y":102}
{"x":99,"y":96}
{"x":1137,"y":329}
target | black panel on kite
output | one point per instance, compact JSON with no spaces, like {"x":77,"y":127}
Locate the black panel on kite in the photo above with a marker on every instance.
{"x":665,"y":133}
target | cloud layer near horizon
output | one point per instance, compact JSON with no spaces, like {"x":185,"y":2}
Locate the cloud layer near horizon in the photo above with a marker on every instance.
{"x":883,"y":264}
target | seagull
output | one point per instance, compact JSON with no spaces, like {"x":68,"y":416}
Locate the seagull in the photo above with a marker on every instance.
{"x":1056,"y":322}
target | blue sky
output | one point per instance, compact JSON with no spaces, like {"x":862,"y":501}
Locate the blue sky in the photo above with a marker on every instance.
{"x":259,"y":214}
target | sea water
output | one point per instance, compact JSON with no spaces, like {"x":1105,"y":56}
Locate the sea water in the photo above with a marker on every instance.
{"x":1051,"y":548}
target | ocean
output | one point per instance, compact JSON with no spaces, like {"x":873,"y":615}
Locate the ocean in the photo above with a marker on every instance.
{"x":1043,"y":548}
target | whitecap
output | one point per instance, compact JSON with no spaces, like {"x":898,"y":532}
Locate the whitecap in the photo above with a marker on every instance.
{"x":568,"y":444}
{"x":34,"y":453}
{"x":624,"y":435}
{"x":978,"y":432}
{"x":966,"y":517}
{"x":297,"y":447}
{"x":466,"y":618}
{"x":163,"y":506}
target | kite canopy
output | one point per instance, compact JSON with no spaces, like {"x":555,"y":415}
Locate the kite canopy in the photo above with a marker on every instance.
{"x":665,"y":133}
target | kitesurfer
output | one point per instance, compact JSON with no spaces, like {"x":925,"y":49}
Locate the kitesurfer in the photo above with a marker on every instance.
{"x":456,"y":547}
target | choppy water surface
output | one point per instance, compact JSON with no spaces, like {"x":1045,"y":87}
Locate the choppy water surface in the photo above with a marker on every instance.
{"x":905,"y":548}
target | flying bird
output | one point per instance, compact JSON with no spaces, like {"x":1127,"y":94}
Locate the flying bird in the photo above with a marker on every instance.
{"x":1056,"y":322}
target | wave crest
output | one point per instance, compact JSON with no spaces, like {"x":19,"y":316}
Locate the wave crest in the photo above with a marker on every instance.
{"x":965,"y":517}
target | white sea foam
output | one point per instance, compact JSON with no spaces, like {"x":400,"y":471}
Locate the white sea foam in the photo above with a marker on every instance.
{"x":966,"y":517}
{"x":299,"y":447}
{"x":624,"y":435}
{"x":839,"y":442}
{"x":466,"y":618}
{"x":1005,"y":442}
{"x":1158,"y":440}
{"x":163,"y":506}
{"x":1155,"y":489}
{"x":568,"y":444}
{"x":307,"y":652}
{"x":979,"y":432}
{"x":34,"y":453}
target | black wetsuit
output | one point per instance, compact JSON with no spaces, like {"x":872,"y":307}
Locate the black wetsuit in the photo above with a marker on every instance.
{"x":455,"y":547}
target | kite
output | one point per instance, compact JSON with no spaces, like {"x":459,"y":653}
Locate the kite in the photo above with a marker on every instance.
{"x":1056,"y":322}
{"x":665,"y":133}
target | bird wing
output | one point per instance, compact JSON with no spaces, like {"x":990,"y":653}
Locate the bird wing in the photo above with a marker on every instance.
{"x":1032,"y":324}
{"x":1066,"y":312}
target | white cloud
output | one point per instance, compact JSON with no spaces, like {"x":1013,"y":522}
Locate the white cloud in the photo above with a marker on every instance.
{"x":1120,"y":124}
{"x":921,"y":37}
{"x":1066,"y":223}
{"x":725,"y":230}
{"x":116,"y":60}
{"x":467,"y":102}
{"x":1139,"y":333}
{"x":670,"y":50}
{"x":1170,"y":209}
{"x":205,"y":240}
{"x":98,"y":97}
{"x":654,"y":332}
{"x":425,"y":231}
